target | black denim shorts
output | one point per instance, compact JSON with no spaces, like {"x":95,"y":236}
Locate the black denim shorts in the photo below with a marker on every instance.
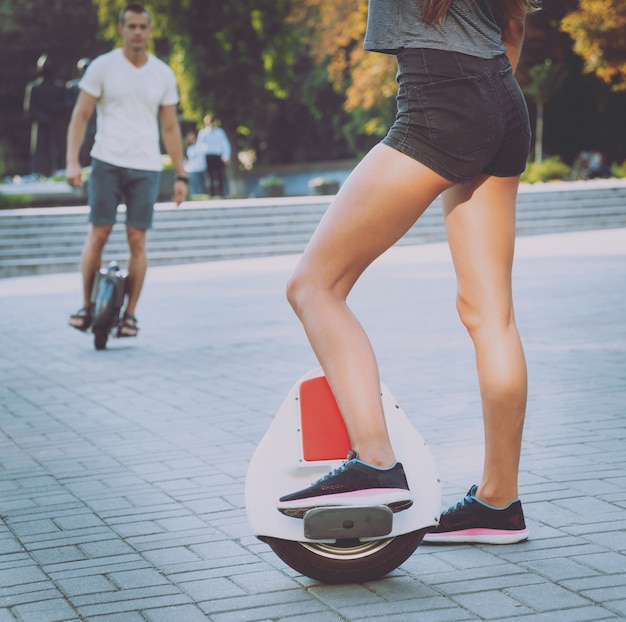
{"x":460,"y":115}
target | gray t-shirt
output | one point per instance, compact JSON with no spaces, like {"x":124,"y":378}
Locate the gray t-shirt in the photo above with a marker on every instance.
{"x":470,"y":28}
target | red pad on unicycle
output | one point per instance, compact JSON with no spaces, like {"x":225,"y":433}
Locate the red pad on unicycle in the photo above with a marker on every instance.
{"x":324,"y":434}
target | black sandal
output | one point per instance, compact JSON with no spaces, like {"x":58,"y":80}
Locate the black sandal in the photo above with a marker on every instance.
{"x":128,"y":325}
{"x":81,"y":320}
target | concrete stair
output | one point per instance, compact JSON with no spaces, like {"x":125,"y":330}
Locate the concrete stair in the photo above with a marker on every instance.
{"x":50,"y":240}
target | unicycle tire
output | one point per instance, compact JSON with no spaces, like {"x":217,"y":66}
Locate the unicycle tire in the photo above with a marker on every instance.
{"x":104,"y":313}
{"x":347,"y":561}
{"x":100,"y":338}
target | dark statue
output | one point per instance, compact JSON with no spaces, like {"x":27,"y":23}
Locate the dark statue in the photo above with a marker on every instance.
{"x":46,"y":103}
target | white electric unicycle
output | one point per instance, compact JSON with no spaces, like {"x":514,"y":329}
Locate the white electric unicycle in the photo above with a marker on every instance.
{"x":337,"y":544}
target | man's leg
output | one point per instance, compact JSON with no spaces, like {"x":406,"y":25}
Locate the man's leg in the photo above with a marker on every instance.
{"x":213,"y":163}
{"x":141,"y":192}
{"x":90,"y":263}
{"x":104,"y":197}
{"x":221,"y":179}
{"x":210,"y":176}
{"x":137,"y":266}
{"x":91,"y":259}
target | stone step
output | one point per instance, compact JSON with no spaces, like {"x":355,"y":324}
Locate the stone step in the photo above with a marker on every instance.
{"x":48,"y":240}
{"x":56,"y":229}
{"x":55,"y":220}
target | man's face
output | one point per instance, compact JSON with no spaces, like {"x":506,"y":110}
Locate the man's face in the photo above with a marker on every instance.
{"x":136,"y":31}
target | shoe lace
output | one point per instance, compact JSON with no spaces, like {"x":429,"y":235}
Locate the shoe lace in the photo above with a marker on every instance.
{"x":340,"y":469}
{"x":457,"y":506}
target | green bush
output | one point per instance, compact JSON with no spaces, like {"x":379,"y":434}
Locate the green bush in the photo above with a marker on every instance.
{"x":550,"y":169}
{"x":13,"y":201}
{"x":272,"y":186}
{"x":618,"y":170}
{"x":324,"y":185}
{"x":271,"y":181}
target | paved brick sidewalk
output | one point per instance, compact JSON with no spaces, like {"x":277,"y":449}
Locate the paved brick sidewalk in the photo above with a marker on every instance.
{"x":122,"y":472}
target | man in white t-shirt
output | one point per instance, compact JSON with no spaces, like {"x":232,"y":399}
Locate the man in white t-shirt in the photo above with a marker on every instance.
{"x":133,"y":90}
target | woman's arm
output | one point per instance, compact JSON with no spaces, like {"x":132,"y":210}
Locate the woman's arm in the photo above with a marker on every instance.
{"x":513,"y":37}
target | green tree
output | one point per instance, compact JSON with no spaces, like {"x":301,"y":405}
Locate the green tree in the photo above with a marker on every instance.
{"x":334,"y":31}
{"x":584,"y":113}
{"x":598,"y":28}
{"x":546,"y":81}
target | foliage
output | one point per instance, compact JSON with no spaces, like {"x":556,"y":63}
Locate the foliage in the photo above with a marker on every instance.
{"x":618,"y":170}
{"x":272,"y":186}
{"x":271,"y":181}
{"x":323,"y":185}
{"x":14,"y":201}
{"x":334,"y":32}
{"x":546,"y":80}
{"x":598,"y":28}
{"x":550,"y":169}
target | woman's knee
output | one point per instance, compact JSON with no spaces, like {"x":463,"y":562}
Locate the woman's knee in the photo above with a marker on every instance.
{"x":468,"y":314}
{"x":296,"y":290}
{"x":303,"y":288}
{"x":478,"y":314}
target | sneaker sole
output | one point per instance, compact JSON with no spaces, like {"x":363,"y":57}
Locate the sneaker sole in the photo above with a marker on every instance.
{"x":477,"y":536}
{"x":395,"y":501}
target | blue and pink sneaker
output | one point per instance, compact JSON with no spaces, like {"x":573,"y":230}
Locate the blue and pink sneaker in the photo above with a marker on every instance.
{"x":470,"y":521}
{"x":353,"y":483}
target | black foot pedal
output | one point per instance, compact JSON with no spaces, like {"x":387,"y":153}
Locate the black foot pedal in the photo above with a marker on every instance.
{"x":345,"y":522}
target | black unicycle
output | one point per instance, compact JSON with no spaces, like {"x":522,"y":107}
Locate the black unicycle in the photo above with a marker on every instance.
{"x":107,"y":299}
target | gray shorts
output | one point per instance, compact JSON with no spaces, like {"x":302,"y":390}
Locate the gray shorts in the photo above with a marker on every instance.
{"x":460,"y":115}
{"x":111,"y":185}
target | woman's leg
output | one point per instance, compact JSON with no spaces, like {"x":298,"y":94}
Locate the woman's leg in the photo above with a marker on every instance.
{"x":480,"y":221}
{"x":378,"y":203}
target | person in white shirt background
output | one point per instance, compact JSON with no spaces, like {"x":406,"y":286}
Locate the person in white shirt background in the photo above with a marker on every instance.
{"x":217,"y":153}
{"x":195,"y":164}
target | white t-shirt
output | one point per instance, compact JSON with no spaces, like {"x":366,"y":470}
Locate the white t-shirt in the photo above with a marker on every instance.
{"x":129,"y":98}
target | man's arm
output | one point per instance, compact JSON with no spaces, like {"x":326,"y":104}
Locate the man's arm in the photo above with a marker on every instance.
{"x":513,"y":37}
{"x":173,"y":140}
{"x":83,"y":109}
{"x":226,"y":149}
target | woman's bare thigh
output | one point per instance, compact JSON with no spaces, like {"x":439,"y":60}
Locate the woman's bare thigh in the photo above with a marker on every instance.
{"x":379,"y":202}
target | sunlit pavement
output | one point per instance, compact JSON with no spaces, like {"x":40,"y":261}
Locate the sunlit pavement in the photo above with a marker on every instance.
{"x":122,"y":471}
